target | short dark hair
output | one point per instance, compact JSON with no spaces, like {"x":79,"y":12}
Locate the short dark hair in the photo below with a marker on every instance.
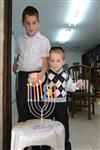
{"x":57,"y":49}
{"x":30,"y":10}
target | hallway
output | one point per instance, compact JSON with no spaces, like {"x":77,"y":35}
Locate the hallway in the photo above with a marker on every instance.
{"x":84,"y":133}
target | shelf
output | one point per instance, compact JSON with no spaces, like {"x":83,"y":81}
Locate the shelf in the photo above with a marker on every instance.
{"x":98,"y":61}
{"x":92,"y":58}
{"x":98,"y":69}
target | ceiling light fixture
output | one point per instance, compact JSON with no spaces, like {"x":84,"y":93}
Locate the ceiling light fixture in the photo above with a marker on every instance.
{"x":77,"y":10}
{"x":64,"y":35}
{"x":78,"y":7}
{"x":69,"y":26}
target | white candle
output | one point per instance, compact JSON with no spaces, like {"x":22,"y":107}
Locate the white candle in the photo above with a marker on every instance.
{"x":37,"y":92}
{"x":28,"y":92}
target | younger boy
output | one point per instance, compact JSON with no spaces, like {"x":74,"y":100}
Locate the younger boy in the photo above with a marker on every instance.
{"x":56,"y":76}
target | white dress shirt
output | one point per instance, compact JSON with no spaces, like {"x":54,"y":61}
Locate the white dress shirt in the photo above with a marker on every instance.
{"x":31,"y":50}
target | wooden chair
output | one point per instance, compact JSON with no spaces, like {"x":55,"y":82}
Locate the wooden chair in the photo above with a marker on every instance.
{"x":82,"y":98}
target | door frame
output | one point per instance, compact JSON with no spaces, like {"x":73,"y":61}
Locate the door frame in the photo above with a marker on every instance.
{"x":7,"y":111}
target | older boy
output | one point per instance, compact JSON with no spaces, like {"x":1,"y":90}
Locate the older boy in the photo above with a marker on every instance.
{"x":32,"y":56}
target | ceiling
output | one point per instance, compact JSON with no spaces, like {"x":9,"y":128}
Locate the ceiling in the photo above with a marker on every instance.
{"x":53,"y":16}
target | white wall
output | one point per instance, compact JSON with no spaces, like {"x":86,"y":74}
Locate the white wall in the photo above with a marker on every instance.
{"x":72,"y":57}
{"x":13,"y":84}
{"x":13,"y":75}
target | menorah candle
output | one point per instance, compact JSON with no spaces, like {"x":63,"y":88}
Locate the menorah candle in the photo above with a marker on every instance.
{"x":30,"y":92}
{"x":27,"y":92}
{"x":54,"y":91}
{"x":41,"y":92}
{"x":48,"y":92}
{"x":51,"y":93}
{"x":37,"y":92}
{"x":34,"y":92}
{"x":44,"y":90}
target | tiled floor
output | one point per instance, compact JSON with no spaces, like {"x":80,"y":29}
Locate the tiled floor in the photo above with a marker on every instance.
{"x":84,"y":133}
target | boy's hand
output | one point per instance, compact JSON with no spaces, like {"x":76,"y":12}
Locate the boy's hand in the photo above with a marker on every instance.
{"x":79,"y":83}
{"x":40,"y":77}
{"x":32,"y":78}
{"x":35,"y":78}
{"x":15,"y":65}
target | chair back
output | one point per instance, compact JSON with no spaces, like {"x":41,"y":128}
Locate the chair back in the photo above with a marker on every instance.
{"x":81,"y":98}
{"x":81,"y":72}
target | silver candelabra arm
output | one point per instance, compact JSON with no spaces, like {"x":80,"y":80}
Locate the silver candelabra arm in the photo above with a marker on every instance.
{"x":41,"y":100}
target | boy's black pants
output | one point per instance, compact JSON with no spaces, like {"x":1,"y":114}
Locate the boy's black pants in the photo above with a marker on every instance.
{"x":22,"y":105}
{"x":21,"y":94}
{"x":61,"y":114}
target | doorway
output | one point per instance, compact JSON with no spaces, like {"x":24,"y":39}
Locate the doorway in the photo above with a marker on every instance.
{"x":7,"y":121}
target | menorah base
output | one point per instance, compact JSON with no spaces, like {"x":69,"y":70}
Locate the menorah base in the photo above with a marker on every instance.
{"x":42,"y":127}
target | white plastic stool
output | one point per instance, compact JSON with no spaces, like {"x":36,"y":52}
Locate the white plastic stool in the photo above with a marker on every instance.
{"x":33,"y":132}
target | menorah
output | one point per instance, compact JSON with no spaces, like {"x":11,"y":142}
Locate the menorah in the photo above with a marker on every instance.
{"x":41,"y":99}
{"x":39,"y":131}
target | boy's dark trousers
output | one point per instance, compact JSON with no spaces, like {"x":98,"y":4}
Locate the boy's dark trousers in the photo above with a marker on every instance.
{"x":22,"y":104}
{"x":61,"y":114}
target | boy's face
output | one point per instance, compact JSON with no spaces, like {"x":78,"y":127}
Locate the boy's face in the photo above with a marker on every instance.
{"x":56,"y":61}
{"x":31,"y":25}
